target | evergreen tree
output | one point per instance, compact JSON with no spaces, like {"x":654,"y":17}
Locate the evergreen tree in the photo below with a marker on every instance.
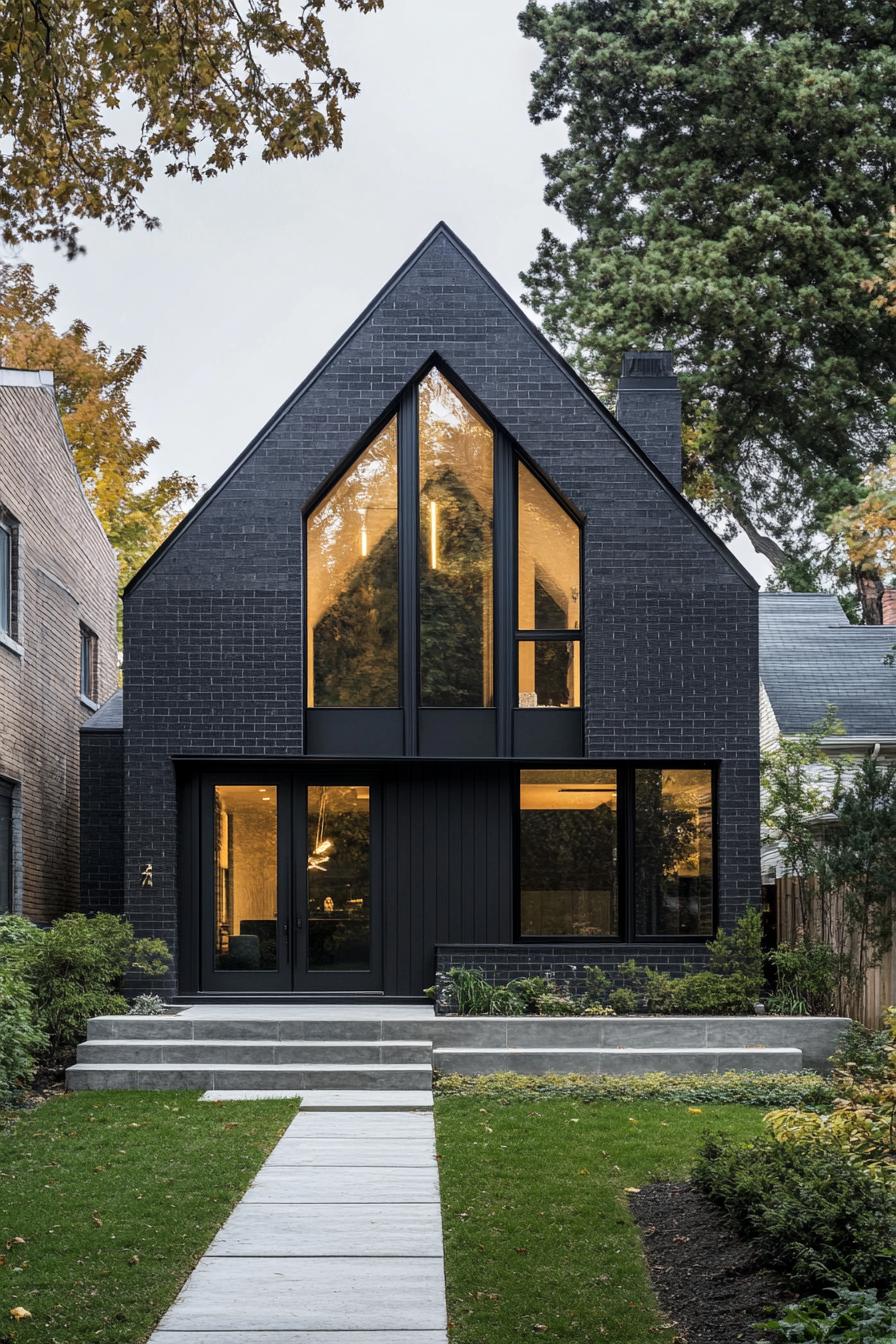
{"x":729,"y":173}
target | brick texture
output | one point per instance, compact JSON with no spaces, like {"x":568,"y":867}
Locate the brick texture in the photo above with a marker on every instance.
{"x":102,"y":823}
{"x":66,"y":575}
{"x":213,"y":631}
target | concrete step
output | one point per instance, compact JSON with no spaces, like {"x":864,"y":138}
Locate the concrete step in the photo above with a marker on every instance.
{"x":624,"y":1060}
{"x":217,"y":1052}
{"x":243,"y":1026}
{"x":240,"y":1077}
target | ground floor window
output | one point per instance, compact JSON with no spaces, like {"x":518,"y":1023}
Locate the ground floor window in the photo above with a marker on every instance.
{"x":5,"y":847}
{"x":612,"y":853}
{"x":673,"y":875}
{"x":568,"y":846}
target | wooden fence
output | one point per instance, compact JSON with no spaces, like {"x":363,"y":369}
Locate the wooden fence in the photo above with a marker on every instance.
{"x":880,"y":982}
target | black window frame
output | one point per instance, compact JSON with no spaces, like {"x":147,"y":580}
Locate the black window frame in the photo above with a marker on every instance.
{"x":88,"y":665}
{"x":412,"y":729}
{"x":7,"y":874}
{"x":625,"y":863}
{"x":9,"y":613}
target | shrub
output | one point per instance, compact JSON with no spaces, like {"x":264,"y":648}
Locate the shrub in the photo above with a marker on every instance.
{"x":147,"y":1005}
{"x":696,"y":1089}
{"x":20,"y":1040}
{"x":557,"y":1005}
{"x":654,"y":990}
{"x":864,"y":1053}
{"x":740,"y":952}
{"x":623,"y":1001}
{"x":818,"y":1217}
{"x":468,"y":991}
{"x":597,"y":984}
{"x":530,"y":990}
{"x":76,"y":971}
{"x":706,"y":994}
{"x":807,"y":976}
{"x":18,"y":940}
{"x":842,"y":1317}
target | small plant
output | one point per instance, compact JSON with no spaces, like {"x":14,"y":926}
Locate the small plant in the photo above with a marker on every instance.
{"x":844,"y":1316}
{"x":623,"y":1001}
{"x":740,"y":952}
{"x":706,"y":994}
{"x":530,"y":990}
{"x":654,"y":990}
{"x":863,"y":1053}
{"x":147,"y":1005}
{"x":471,"y":995}
{"x":818,"y":1216}
{"x":597,"y":984}
{"x":807,"y":976}
{"x":598,"y":1010}
{"x":557,"y":1005}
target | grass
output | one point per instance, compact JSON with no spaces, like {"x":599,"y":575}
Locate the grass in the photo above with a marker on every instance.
{"x":114,"y":1196}
{"x":538,"y":1238}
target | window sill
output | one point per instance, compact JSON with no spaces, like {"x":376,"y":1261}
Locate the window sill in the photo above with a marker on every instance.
{"x":13,"y":645}
{"x":89,"y":704}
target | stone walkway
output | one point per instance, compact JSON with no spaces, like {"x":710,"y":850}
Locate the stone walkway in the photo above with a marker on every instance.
{"x":338,"y":1240}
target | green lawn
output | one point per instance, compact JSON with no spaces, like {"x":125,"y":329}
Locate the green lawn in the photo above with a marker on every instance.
{"x":537,"y":1233}
{"x":116,"y":1195}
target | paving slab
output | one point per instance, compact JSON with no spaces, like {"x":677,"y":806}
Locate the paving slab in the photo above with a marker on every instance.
{"x":407,"y":1230}
{"x":330,"y":1099}
{"x":250,"y":1336}
{"x":314,"y":1293}
{"x":332,"y":1151}
{"x":361,"y":1124}
{"x":344,"y":1185}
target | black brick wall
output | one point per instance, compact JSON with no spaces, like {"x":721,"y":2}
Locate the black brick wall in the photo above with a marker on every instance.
{"x":510,"y":961}
{"x":102,"y":823}
{"x":213,"y":632}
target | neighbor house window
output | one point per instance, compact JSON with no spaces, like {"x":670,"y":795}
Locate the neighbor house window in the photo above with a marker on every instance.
{"x":89,"y":689}
{"x":6,"y":790}
{"x":455,"y":550}
{"x":567,"y":854}
{"x":8,"y":567}
{"x":548,"y":599}
{"x":352,"y":625}
{"x":673,"y":872}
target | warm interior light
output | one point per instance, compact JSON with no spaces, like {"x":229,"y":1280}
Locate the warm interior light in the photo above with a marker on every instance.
{"x":364,"y":533}
{"x":323,"y":846}
{"x":433,"y":534}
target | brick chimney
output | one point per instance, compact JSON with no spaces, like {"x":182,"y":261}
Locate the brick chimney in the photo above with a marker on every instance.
{"x":888,"y":606}
{"x":648,"y":405}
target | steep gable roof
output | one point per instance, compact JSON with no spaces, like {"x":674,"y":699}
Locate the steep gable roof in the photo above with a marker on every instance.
{"x":810,"y":657}
{"x":442,"y":231}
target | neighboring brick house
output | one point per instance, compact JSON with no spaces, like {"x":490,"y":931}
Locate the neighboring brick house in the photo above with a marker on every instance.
{"x":58,"y":646}
{"x":443,"y":669}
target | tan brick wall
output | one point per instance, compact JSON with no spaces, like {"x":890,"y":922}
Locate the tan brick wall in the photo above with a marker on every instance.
{"x":67,"y":575}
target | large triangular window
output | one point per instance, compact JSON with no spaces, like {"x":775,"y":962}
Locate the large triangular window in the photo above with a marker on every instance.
{"x":443,"y":574}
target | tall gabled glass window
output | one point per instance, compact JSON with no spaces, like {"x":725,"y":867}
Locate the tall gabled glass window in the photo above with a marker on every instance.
{"x":352,"y":619}
{"x":456,"y":555}
{"x":548,"y":598}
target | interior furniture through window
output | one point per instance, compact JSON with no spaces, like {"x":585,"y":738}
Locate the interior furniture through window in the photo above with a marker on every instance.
{"x":567,"y":854}
{"x":673,"y":844}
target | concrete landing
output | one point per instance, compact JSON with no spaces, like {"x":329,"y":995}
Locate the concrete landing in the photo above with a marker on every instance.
{"x":338,"y":1240}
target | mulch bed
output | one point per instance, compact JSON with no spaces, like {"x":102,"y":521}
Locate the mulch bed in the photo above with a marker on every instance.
{"x":707,"y":1277}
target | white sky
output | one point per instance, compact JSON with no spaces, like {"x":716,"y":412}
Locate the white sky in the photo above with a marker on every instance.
{"x":253,"y":276}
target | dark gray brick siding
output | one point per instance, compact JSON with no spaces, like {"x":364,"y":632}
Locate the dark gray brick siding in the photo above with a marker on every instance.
{"x":213,"y":632}
{"x":102,"y":823}
{"x":566,"y":962}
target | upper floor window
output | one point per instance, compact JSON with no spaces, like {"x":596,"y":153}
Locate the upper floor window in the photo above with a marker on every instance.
{"x":548,"y":594}
{"x":456,"y":563}
{"x":352,"y":620}
{"x":410,"y":562}
{"x":8,"y":575}
{"x":89,"y":687}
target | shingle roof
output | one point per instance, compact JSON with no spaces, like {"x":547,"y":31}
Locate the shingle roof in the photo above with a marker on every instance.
{"x":108,"y":718}
{"x":811,"y":657}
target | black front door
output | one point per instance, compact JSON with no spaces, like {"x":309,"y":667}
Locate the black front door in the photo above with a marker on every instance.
{"x":290,"y":883}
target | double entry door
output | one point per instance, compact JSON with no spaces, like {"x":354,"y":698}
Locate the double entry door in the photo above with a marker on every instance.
{"x":290,"y":883}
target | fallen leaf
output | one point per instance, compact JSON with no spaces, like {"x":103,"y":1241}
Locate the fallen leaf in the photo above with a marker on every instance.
{"x":97,"y":1220}
{"x":696,"y":1110}
{"x":15,"y":1241}
{"x":134,"y":1260}
{"x":632,"y":1190}
{"x":540,"y":1329}
{"x":19,"y":1314}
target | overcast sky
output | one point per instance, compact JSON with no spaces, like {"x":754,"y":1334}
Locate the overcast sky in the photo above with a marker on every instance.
{"x":252,"y":277}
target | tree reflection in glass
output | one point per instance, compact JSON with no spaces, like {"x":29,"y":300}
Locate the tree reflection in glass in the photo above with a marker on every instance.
{"x":568,"y":885}
{"x":352,"y":539}
{"x":455,"y":558}
{"x":673,"y":852}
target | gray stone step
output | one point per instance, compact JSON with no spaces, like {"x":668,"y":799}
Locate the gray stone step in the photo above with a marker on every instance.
{"x":216,"y":1052}
{"x":339,"y":1104}
{"x":469,"y":1060}
{"x":242,"y":1077}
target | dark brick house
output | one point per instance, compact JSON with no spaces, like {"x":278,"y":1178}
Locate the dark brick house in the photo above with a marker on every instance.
{"x":58,"y":646}
{"x":443,"y":669}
